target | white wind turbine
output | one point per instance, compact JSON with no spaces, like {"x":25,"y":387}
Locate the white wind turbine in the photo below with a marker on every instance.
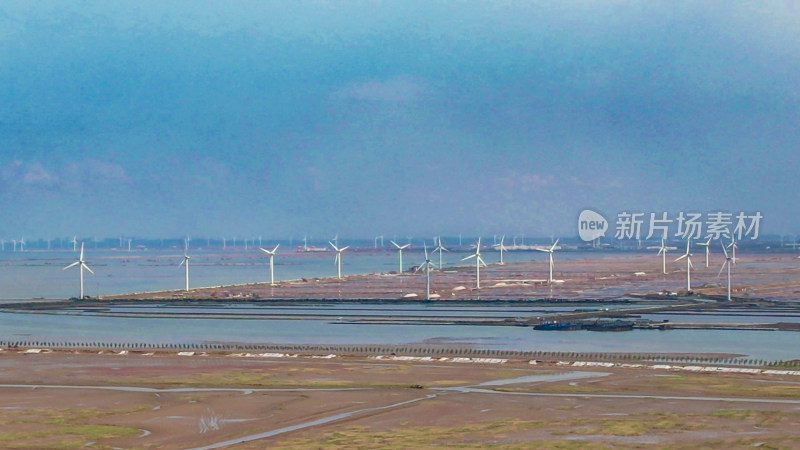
{"x":663,"y":252}
{"x":427,"y":266}
{"x":338,"y":259}
{"x":74,"y":243}
{"x":400,"y":252}
{"x":478,"y":262}
{"x":689,"y":266}
{"x":185,"y":262}
{"x":502,"y":248}
{"x":707,"y":245}
{"x":550,"y":252}
{"x":440,"y":248}
{"x":727,"y":263}
{"x":271,"y":254}
{"x":733,"y":248}
{"x":81,"y":265}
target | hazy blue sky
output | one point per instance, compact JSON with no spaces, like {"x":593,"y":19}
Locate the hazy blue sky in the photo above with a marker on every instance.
{"x":280,"y":118}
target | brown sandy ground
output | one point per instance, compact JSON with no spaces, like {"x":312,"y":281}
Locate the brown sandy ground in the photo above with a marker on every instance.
{"x":612,"y":407}
{"x":758,"y":275}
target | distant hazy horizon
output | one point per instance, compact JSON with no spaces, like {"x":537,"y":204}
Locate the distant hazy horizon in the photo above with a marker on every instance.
{"x":396,"y":117}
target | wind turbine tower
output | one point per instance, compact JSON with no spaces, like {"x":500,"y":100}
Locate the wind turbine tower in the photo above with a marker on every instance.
{"x":707,"y":245}
{"x":185,"y":262}
{"x":271,"y":254}
{"x":689,"y":265}
{"x":727,"y":263}
{"x":663,"y":252}
{"x":501,"y":246}
{"x":440,"y":248}
{"x":478,"y":263}
{"x":427,"y":266}
{"x":550,"y":252}
{"x":81,"y":266}
{"x":400,"y":252}
{"x":338,"y":259}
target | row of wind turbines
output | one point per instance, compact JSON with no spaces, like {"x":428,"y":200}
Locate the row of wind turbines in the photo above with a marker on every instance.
{"x":729,"y":260}
{"x":427,"y":265}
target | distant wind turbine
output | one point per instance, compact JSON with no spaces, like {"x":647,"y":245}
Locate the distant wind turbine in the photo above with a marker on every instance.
{"x":733,"y":248}
{"x":400,"y":252}
{"x":478,"y":262}
{"x":727,"y":263}
{"x":689,"y":265}
{"x":427,"y":266}
{"x":550,"y":252}
{"x":185,"y":262}
{"x":81,"y":265}
{"x":338,"y":259}
{"x":502,"y":248}
{"x":271,"y":254}
{"x":75,"y":243}
{"x":440,"y":248}
{"x":707,"y":245}
{"x":663,"y":252}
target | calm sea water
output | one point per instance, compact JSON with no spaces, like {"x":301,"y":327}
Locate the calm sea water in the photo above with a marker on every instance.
{"x":768,"y":345}
{"x":38,"y":274}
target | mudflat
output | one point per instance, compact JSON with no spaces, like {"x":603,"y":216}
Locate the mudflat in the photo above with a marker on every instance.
{"x":235,"y":400}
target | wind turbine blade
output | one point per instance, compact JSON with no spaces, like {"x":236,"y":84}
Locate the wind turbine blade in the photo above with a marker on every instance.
{"x":404,"y":247}
{"x":554,"y":246}
{"x":691,"y":266}
{"x":183,"y":261}
{"x":275,"y":249}
{"x":87,"y":268}
{"x":681,"y":257}
{"x":542,"y":249}
{"x":469,"y":257}
{"x":722,"y":268}
{"x":394,"y":243}
{"x":334,"y":247}
{"x":724,"y":251}
{"x":481,"y":261}
{"x":71,"y":265}
{"x":263,"y":250}
{"x":344,"y":248}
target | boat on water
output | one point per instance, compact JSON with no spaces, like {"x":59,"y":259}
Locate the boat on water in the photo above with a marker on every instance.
{"x":565,"y":325}
{"x":609,"y":325}
{"x":591,"y":325}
